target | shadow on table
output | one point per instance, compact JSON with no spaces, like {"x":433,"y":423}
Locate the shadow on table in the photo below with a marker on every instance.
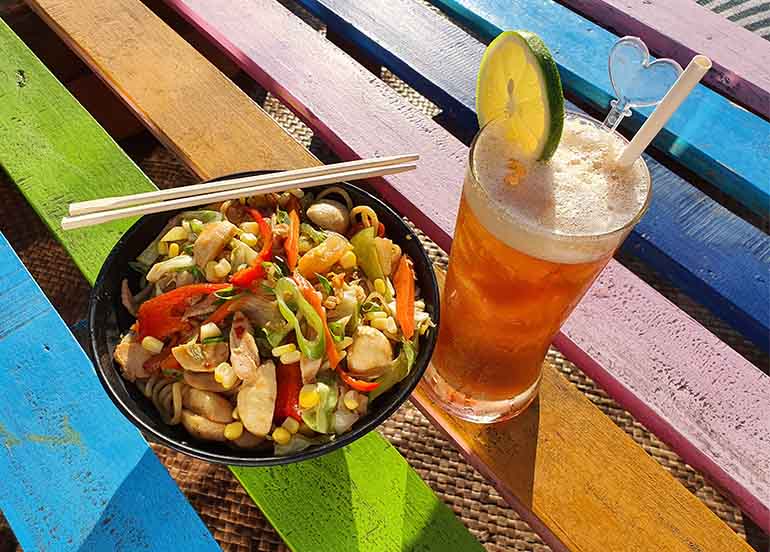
{"x":511,"y":449}
{"x":140,"y":516}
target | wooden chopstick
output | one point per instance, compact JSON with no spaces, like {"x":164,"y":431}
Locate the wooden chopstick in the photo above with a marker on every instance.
{"x":109,"y":203}
{"x":90,"y":219}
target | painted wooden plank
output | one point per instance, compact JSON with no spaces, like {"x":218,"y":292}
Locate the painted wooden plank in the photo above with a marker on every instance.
{"x":205,"y":116}
{"x":398,"y":512}
{"x":718,"y":258}
{"x":518,"y":458}
{"x":76,"y":474}
{"x":312,"y":70}
{"x":307,"y":41}
{"x":728,"y":158}
{"x":38,"y":116}
{"x":680,"y":29}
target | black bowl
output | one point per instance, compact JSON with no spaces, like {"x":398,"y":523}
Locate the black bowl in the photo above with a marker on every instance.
{"x":108,"y":321}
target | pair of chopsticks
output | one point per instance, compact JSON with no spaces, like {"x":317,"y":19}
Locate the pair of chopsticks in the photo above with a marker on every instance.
{"x":98,"y":211}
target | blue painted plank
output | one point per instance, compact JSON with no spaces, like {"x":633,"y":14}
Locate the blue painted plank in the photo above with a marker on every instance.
{"x":75,"y":473}
{"x":735,"y":159}
{"x":715,"y":256}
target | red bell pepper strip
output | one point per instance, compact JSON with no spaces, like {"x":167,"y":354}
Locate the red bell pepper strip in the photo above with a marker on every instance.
{"x":244,"y":278}
{"x":291,"y":245}
{"x":161,"y":316}
{"x":353,"y":383}
{"x":267,"y":235}
{"x":403,"y":281}
{"x":332,"y":353}
{"x":287,"y":398}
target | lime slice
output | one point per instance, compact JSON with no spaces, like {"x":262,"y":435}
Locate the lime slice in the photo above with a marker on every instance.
{"x":519,"y":78}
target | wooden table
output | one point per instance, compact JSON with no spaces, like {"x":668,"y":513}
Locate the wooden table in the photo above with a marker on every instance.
{"x":564,"y":466}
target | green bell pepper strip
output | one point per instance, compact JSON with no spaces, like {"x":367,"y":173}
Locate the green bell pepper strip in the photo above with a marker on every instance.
{"x":366,"y":253}
{"x":285,"y":288}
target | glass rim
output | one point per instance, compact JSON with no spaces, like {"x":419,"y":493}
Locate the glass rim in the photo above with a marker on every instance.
{"x":561,"y":235}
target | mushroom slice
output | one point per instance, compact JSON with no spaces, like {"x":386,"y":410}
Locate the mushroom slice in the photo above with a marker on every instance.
{"x":210,"y":405}
{"x":370,"y":354}
{"x":200,"y":358}
{"x":212,"y":240}
{"x":256,"y":401}
{"x":202,"y":428}
{"x":204,"y":381}
{"x":244,"y":355}
{"x":247,"y":440}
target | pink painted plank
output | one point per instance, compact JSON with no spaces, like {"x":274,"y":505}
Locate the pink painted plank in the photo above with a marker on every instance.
{"x":359,"y":116}
{"x":681,"y":28}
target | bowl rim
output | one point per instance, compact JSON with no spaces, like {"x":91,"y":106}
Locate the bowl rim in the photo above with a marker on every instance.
{"x":357,"y":432}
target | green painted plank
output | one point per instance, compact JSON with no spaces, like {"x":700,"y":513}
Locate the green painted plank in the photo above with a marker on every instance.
{"x":398,"y":511}
{"x":365,"y":494}
{"x":57,"y":153}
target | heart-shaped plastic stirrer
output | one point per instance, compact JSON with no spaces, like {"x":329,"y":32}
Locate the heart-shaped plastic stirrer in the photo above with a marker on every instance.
{"x":637,"y":81}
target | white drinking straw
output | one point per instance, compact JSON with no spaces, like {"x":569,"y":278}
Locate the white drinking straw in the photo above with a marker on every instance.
{"x":694,"y":72}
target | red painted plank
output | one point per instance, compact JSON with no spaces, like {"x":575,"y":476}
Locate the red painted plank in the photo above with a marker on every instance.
{"x":359,"y":116}
{"x":681,"y":28}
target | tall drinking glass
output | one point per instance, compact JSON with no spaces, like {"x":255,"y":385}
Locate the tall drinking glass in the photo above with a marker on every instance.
{"x":529,"y":241}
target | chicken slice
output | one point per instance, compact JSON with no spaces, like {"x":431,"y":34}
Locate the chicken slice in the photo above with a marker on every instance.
{"x":131,"y":356}
{"x":244,"y":354}
{"x":370,"y":354}
{"x":212,"y":240}
{"x":256,"y":401}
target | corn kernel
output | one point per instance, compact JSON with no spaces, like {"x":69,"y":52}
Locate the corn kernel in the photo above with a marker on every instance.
{"x":291,"y":425}
{"x":380,"y":324}
{"x":225,"y":375}
{"x":344,"y":343}
{"x":251,"y":227}
{"x":348,"y":260}
{"x":281,"y":436}
{"x":283,"y":349}
{"x":379,"y":286}
{"x":222,"y":268}
{"x":249,"y":239}
{"x":350,"y":399}
{"x":152,"y":345}
{"x":374,"y":315}
{"x":236,"y":415}
{"x":390,"y":325}
{"x":162,"y":248}
{"x":290,"y":358}
{"x":233,"y":431}
{"x":210,"y":330}
{"x":173,"y":250}
{"x":308,"y":396}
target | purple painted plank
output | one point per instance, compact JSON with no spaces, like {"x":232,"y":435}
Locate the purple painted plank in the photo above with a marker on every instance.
{"x":679,"y":29}
{"x":315,"y":78}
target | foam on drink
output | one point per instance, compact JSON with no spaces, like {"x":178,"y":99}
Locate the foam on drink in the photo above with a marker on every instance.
{"x":571,"y":209}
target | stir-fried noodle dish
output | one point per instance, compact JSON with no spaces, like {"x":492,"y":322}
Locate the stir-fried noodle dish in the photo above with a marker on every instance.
{"x":273,"y":321}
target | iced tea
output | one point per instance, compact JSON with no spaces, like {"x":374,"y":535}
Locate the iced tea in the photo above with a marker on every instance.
{"x":529,"y":241}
